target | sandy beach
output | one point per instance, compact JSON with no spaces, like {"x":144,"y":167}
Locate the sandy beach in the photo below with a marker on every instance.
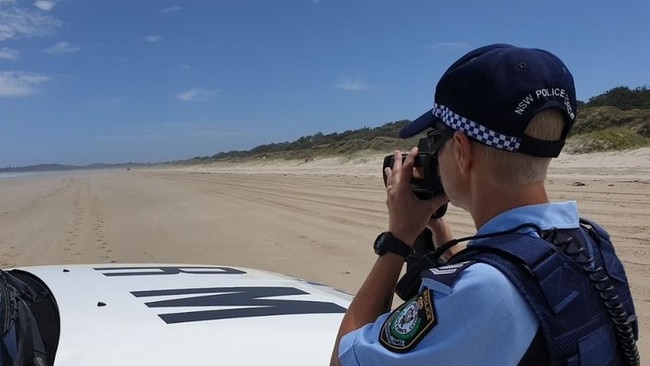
{"x":314,"y":220}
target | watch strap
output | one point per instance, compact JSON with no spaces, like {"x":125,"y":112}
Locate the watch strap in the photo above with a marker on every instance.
{"x":387,"y":242}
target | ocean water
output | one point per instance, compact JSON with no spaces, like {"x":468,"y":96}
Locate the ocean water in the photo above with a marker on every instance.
{"x":23,"y":175}
{"x":4,"y":176}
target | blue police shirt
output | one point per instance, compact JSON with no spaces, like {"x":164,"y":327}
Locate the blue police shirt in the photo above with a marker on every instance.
{"x":481,"y":319}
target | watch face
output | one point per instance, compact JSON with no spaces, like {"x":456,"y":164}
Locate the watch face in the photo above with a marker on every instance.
{"x":380,"y":243}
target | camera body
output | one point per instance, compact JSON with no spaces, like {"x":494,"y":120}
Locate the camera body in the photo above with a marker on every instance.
{"x":427,"y":186}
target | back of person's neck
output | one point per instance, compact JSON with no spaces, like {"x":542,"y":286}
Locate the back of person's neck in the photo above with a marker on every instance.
{"x":492,"y":200}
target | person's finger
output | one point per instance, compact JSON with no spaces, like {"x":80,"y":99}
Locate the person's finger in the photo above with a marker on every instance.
{"x":388,"y":171}
{"x":397,"y":159}
{"x":397,"y":164}
{"x":410,"y":159}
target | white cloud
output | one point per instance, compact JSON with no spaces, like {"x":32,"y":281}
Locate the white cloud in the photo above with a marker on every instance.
{"x":20,"y":84}
{"x":62,"y":48}
{"x":351,"y":84}
{"x":16,"y":22}
{"x":152,"y":38}
{"x":184,"y":66}
{"x":45,"y":5}
{"x":172,"y":8}
{"x":196,"y":95}
{"x":9,"y":54}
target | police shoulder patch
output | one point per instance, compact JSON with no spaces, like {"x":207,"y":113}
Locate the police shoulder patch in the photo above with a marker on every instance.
{"x":409,"y":323}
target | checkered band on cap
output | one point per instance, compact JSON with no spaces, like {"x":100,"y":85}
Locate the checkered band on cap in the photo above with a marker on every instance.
{"x":475,"y":130}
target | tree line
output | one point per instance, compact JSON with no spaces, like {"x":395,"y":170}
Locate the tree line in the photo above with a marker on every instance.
{"x":622,"y":98}
{"x":591,"y":117}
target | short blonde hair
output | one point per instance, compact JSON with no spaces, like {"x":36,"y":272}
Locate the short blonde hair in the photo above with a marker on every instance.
{"x":520,"y":169}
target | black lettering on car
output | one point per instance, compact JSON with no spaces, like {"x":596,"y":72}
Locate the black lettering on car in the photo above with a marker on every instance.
{"x":243,"y":302}
{"x":162,"y":270}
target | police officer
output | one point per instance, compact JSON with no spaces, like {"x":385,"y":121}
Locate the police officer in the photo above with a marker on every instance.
{"x":500,"y":114}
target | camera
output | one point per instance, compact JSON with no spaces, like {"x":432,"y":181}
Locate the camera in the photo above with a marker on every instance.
{"x":428,"y":185}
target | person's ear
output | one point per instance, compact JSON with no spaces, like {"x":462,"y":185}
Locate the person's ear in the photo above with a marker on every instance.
{"x":463,"y":152}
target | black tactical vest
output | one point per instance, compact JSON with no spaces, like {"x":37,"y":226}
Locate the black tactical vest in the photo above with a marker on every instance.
{"x":577,"y":288}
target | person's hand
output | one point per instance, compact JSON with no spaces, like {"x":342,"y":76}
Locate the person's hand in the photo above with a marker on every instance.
{"x":407,"y":214}
{"x":440,"y":231}
{"x":441,"y":234}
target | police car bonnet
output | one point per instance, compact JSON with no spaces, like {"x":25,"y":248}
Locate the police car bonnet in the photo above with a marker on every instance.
{"x":492,"y":93}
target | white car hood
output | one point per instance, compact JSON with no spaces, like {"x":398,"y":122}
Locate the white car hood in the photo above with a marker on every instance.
{"x":170,"y":314}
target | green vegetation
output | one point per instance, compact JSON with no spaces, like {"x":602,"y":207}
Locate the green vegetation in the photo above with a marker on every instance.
{"x":616,"y":126}
{"x":382,"y":138}
{"x":608,"y":139}
{"x":623,"y":98}
{"x":615,"y":120}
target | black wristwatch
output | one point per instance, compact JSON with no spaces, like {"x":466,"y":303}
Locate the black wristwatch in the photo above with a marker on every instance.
{"x":387,"y":242}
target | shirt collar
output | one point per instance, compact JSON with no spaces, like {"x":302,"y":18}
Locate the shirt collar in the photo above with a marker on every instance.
{"x":560,"y":215}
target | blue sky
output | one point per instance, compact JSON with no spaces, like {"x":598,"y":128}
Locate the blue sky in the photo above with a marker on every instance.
{"x":86,"y":81}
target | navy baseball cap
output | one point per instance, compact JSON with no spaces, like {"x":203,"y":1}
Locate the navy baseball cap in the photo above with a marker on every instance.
{"x":493,"y":92}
